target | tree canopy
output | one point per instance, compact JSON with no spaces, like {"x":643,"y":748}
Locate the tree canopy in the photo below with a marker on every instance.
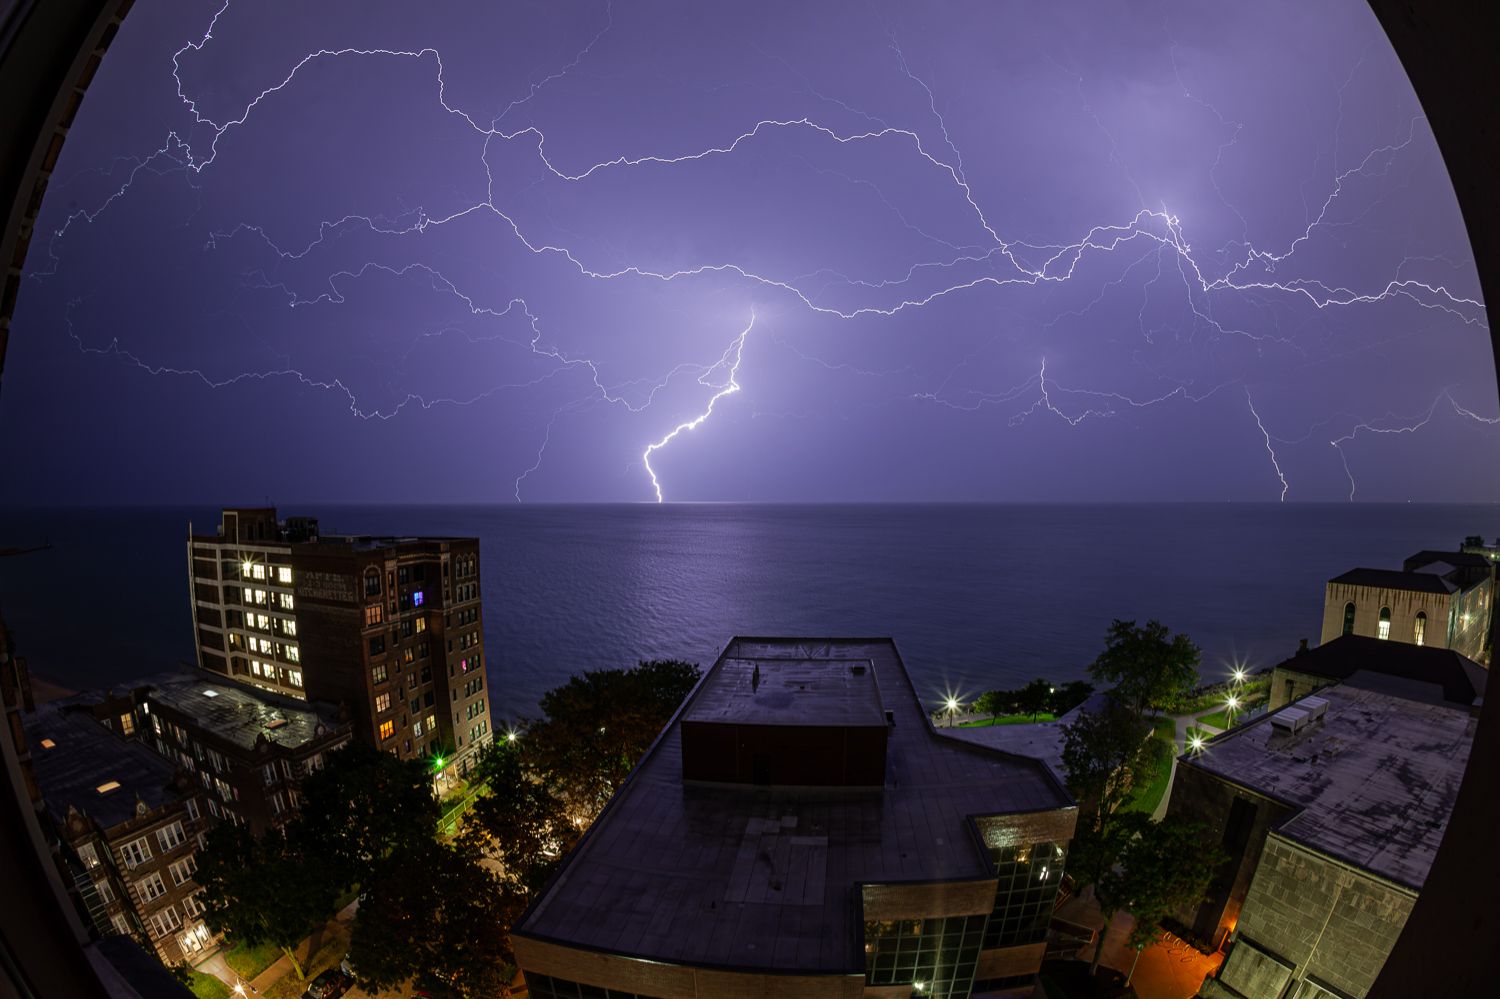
{"x":519,"y":822}
{"x":1148,"y":666}
{"x":265,"y":890}
{"x":363,"y":805}
{"x":598,"y":726}
{"x":437,"y":911}
{"x":1163,"y":867}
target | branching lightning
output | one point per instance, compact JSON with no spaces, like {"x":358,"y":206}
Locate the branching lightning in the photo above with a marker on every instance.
{"x":965,"y":265}
{"x":730,"y":363}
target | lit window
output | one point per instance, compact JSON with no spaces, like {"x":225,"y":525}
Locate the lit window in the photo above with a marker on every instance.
{"x":373,"y":615}
{"x":107,"y":786}
{"x":255,"y":666}
{"x":378,"y":674}
{"x":258,"y":571}
{"x":296,"y":677}
{"x":383,"y":702}
{"x":416,"y":730}
{"x":1419,"y":629}
{"x":263,"y":623}
{"x":88,"y":856}
{"x":122,"y":925}
{"x":193,"y":907}
{"x":292,"y":655}
{"x":290,"y":627}
{"x":1385,"y":623}
{"x":183,"y":870}
{"x":286,"y":600}
{"x":416,"y":599}
{"x":421,"y":624}
{"x":284,"y":575}
{"x":245,"y":569}
{"x":48,"y":744}
{"x":127,"y":724}
{"x":387,"y":729}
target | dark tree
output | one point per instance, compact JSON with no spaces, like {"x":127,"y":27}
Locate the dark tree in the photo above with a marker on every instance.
{"x":1032,"y":699}
{"x":1104,"y":754}
{"x":995,"y":703}
{"x":363,"y":805}
{"x":1069,"y":696}
{"x":518,"y":821}
{"x":599,"y":725}
{"x":262,"y":891}
{"x":1164,"y":867}
{"x":437,"y":912}
{"x":1148,"y":666}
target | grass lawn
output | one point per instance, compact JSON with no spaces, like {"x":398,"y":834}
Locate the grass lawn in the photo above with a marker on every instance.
{"x":1165,"y":729}
{"x":207,"y":986}
{"x":1201,"y":733}
{"x":248,"y":962}
{"x":1218,"y":720}
{"x":1146,"y":795}
{"x":1041,"y":716}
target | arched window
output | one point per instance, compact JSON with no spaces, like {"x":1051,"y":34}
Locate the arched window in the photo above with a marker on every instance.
{"x":1349,"y":618}
{"x":1419,"y":629}
{"x":1385,"y":623}
{"x":372,"y":582}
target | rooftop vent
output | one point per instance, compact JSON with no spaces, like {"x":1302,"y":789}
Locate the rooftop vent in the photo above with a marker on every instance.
{"x":858,"y":669}
{"x":210,"y":693}
{"x":275,"y":723}
{"x":1295,"y":719}
{"x":1316,"y":707}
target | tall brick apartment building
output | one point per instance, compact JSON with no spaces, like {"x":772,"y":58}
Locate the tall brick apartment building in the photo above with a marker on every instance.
{"x":389,"y":628}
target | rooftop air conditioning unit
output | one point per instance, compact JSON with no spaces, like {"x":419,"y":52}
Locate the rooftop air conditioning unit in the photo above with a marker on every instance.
{"x":1316,"y":707}
{"x":1291,"y":719}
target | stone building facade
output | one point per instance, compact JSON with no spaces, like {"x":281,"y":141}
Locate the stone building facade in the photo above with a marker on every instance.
{"x":1313,"y":927}
{"x":130,"y":824}
{"x":1439,"y":599}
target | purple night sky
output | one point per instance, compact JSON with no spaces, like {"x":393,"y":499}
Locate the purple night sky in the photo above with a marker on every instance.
{"x":459,"y":252}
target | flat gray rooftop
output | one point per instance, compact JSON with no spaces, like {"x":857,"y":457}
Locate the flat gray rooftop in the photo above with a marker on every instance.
{"x":1375,"y":779}
{"x":1040,"y":740}
{"x":833,"y":691}
{"x":767,"y":878}
{"x":240,"y":714}
{"x":85,"y":756}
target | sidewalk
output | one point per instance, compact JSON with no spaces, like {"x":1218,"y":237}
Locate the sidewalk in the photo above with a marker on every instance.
{"x":1168,"y":969}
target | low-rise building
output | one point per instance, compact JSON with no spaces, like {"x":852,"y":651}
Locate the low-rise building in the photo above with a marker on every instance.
{"x":131,"y":824}
{"x":800,"y":829}
{"x":248,"y":748}
{"x":1330,"y":811}
{"x":1427,"y":672}
{"x":1438,"y":599}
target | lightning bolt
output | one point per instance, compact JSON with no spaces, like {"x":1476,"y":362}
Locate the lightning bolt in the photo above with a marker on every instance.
{"x":1269,"y":449}
{"x":730,"y":361}
{"x":1405,"y":425}
{"x":963,"y":265}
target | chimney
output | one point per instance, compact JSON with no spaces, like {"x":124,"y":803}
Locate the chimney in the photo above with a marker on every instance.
{"x":1302,"y":647}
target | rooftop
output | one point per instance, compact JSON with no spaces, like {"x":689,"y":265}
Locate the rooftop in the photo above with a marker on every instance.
{"x":823,"y":692}
{"x":1040,"y":740}
{"x":767,"y":878}
{"x":1460,"y":679}
{"x":1396,"y":579}
{"x":84,"y":756}
{"x":241,"y":714}
{"x":1466,"y":560}
{"x":1374,"y":780}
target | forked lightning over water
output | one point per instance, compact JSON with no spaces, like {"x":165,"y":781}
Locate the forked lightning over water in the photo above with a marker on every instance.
{"x":1258,"y":281}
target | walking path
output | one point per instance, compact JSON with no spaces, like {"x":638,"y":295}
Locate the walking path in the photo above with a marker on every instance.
{"x":1168,"y":969}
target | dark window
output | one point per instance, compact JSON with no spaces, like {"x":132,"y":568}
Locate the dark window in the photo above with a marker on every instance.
{"x":1349,"y":618}
{"x":372,"y":583}
{"x":377,"y":645}
{"x":401,"y":574}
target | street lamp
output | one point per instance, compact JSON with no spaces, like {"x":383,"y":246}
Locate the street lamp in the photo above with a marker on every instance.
{"x":1239,"y":675}
{"x":1233,"y":705}
{"x":1196,"y":743}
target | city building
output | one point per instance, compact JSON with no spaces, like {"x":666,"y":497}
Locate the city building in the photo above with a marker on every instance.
{"x":800,"y":829}
{"x":248,"y":748}
{"x":1330,"y":811}
{"x":388,"y":628}
{"x":130,"y":824}
{"x":1439,"y":599}
{"x":1428,"y":672}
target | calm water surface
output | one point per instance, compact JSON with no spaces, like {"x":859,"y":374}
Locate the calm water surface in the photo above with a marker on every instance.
{"x":976,"y":596}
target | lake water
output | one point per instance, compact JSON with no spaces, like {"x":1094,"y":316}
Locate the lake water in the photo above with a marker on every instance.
{"x":976,"y":596}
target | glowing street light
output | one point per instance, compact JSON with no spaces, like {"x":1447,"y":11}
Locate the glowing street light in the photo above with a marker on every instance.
{"x":1233,"y":704}
{"x":1239,"y":675}
{"x":1196,"y":743}
{"x":952,"y":704}
{"x":510,"y":736}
